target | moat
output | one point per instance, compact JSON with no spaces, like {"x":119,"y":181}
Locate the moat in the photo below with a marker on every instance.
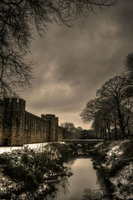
{"x":84,"y":182}
{"x":82,"y":185}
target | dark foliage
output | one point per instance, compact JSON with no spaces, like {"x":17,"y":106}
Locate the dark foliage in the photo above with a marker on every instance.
{"x":111,"y":111}
{"x":33,"y":168}
{"x":129,"y":65}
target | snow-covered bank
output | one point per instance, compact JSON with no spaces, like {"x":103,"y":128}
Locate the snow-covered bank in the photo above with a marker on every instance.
{"x":31,"y":173}
{"x":4,"y":149}
{"x":115,"y":161}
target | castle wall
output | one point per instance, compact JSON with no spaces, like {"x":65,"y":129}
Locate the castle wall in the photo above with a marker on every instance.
{"x":52,"y":122}
{"x":18,"y":127}
{"x":35,"y":129}
{"x":12,"y":113}
{"x":61,"y":131}
{"x":2,"y":108}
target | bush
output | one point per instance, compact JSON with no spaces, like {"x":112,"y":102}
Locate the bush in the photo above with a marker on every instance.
{"x":20,"y":173}
{"x":99,"y":152}
{"x":30,"y":167}
{"x":63,"y":150}
{"x":4,"y":159}
{"x":117,"y":167}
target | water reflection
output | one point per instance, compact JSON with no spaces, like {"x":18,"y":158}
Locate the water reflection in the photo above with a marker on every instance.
{"x":94,"y":195}
{"x":82,"y":185}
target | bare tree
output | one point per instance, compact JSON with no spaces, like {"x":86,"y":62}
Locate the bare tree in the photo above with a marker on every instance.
{"x":100,"y":112}
{"x":68,"y":125}
{"x":18,"y":18}
{"x":112,"y":109}
{"x":14,"y":73}
{"x":89,"y":112}
{"x":116,"y":89}
{"x":129,"y":65}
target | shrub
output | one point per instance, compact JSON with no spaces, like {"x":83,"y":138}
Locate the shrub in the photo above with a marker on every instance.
{"x":29,"y":166}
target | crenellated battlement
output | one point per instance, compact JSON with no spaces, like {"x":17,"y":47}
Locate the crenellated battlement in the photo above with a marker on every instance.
{"x":12,"y":121}
{"x":13,"y":100}
{"x":47,"y":116}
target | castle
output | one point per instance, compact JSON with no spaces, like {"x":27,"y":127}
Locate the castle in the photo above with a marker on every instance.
{"x":18,"y":127}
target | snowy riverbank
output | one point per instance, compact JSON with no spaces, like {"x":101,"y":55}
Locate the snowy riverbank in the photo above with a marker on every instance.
{"x":36,"y":146}
{"x":115,"y":162}
{"x":29,"y":173}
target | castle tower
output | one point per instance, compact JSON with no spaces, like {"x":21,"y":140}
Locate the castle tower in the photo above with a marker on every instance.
{"x":52,"y":122}
{"x":12,"y":115}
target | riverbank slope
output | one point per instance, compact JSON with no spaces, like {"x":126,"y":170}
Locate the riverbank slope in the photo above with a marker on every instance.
{"x":114,"y":161}
{"x":27,"y":174}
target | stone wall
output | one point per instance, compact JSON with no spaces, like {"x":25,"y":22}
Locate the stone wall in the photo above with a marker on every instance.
{"x":52,"y":122}
{"x":35,"y":129}
{"x":18,"y":127}
{"x":61,"y":131}
{"x":12,"y":113}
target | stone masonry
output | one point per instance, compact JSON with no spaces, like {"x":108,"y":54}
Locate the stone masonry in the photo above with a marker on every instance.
{"x":18,"y":127}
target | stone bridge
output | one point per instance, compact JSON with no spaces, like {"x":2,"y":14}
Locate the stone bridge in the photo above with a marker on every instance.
{"x":82,"y":147}
{"x":83,"y":141}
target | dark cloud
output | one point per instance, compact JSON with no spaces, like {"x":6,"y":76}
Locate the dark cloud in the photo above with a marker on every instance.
{"x":72,"y":63}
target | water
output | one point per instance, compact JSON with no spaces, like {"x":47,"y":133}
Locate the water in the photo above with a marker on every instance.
{"x":82,"y":185}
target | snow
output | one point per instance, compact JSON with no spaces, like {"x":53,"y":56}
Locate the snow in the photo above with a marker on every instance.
{"x":15,"y":156}
{"x":8,"y":149}
{"x":5,"y":183}
{"x":115,"y":151}
{"x":36,"y":145}
{"x":123,"y":180}
{"x":31,"y":146}
{"x":99,"y":144}
{"x":123,"y":183}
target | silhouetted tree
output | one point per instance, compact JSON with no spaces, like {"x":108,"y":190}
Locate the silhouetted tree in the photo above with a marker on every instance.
{"x":112,"y":109}
{"x":116,"y":89}
{"x":18,"y":18}
{"x":89,"y":112}
{"x":67,"y":125}
{"x":129,"y":65}
{"x":14,"y":73}
{"x":87,"y":134}
{"x":100,"y":112}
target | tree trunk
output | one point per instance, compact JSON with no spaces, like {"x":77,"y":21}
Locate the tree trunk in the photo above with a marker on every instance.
{"x":116,"y":134}
{"x":120,"y":117}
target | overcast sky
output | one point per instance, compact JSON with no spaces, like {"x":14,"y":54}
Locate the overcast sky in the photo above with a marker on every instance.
{"x":70,"y":64}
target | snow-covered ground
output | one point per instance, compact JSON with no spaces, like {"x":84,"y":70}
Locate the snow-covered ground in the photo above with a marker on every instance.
{"x":118,"y":164}
{"x":37,"y":146}
{"x":31,"y":146}
{"x":123,"y":183}
{"x":41,"y":164}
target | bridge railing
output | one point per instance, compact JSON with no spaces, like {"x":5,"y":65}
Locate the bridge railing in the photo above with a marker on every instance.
{"x":83,"y":140}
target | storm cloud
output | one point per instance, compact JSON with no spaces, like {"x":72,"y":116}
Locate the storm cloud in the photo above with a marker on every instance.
{"x":72,"y":63}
